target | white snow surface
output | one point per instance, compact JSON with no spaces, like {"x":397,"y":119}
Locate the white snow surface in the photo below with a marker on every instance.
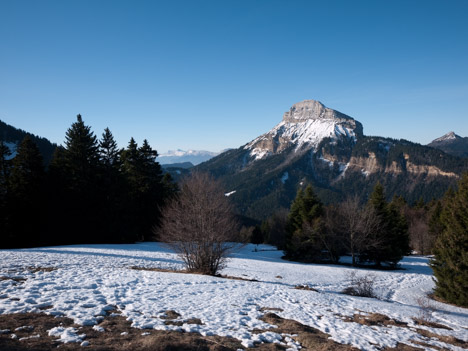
{"x":302,"y":133}
{"x":89,"y":280}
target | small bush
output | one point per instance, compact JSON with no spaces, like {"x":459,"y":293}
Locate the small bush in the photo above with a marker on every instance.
{"x":361,"y":285}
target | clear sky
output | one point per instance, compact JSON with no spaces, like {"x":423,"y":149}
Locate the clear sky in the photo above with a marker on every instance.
{"x":215,"y":74}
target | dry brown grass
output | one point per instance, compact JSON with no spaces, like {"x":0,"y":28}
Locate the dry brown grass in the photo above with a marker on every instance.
{"x":374,"y":319}
{"x":310,"y":338}
{"x":305,"y":287}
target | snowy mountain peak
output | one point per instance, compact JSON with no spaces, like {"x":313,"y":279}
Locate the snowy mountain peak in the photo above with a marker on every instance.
{"x":304,"y":126}
{"x":447,"y":137}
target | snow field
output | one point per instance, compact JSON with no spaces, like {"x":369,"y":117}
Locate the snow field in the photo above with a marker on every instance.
{"x":89,"y":280}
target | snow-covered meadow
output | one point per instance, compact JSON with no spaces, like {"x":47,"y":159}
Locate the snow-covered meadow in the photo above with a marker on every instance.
{"x":83,"y":282}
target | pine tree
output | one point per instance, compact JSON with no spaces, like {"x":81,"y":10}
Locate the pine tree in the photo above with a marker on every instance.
{"x":108,"y":150}
{"x":304,"y":226}
{"x":113,"y":190}
{"x":4,"y":210}
{"x":81,"y":155}
{"x":450,"y":262}
{"x":26,"y":194}
{"x":147,"y":193}
{"x":392,"y":239}
{"x":81,"y":170}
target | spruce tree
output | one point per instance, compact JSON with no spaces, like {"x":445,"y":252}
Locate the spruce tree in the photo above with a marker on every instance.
{"x":303,"y":227}
{"x":392,"y":238}
{"x":4,"y":209}
{"x":82,"y":187}
{"x":145,"y":181}
{"x":450,"y":263}
{"x":26,"y":194}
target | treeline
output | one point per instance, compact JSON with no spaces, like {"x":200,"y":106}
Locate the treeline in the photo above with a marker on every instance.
{"x":92,"y":191}
{"x":375,"y":232}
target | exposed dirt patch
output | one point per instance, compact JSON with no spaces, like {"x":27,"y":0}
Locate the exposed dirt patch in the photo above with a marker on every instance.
{"x":444,"y":338}
{"x":402,"y":347}
{"x":117,"y":335}
{"x":310,"y":338}
{"x":15,"y":279}
{"x":375,"y":319}
{"x":305,"y":287}
{"x":171,"y":317}
{"x":430,"y":324}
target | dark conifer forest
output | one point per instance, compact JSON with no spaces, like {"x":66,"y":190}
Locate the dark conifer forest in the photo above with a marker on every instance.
{"x":91,"y":191}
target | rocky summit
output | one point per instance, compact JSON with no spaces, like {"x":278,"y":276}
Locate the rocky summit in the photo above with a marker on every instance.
{"x":314,"y":144}
{"x":304,"y":126}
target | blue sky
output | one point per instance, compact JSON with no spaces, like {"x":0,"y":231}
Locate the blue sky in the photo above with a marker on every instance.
{"x":215,"y":74}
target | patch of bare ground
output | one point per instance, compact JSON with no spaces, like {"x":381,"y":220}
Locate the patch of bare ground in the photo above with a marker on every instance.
{"x":374,"y":319}
{"x":30,"y":330}
{"x":427,"y":323}
{"x":171,"y":317}
{"x":382,"y":320}
{"x":183,"y":271}
{"x":15,"y":279}
{"x":309,"y":338}
{"x":305,"y":287}
{"x":444,"y":338}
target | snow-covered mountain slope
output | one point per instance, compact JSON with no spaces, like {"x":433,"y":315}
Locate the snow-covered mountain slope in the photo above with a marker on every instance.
{"x":83,"y":282}
{"x":304,"y":126}
{"x":179,"y":156}
{"x":450,"y":136}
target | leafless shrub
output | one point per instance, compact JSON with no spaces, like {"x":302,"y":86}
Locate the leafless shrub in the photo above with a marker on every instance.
{"x":199,"y":225}
{"x":426,"y":308}
{"x":354,"y":226}
{"x":361,"y":285}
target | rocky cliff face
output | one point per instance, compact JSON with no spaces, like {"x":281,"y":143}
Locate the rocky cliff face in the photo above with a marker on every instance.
{"x":303,"y":127}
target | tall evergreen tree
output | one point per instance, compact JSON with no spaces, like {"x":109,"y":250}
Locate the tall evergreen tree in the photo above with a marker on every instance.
{"x":393,"y":236}
{"x":26,"y":194}
{"x":4,"y":173}
{"x":113,"y":190}
{"x":81,"y":168}
{"x":146,"y":191}
{"x":108,"y":150}
{"x":450,"y":262}
{"x":304,"y":226}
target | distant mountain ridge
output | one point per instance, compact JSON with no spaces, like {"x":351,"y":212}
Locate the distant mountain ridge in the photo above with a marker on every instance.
{"x":316,"y":145}
{"x":12,"y":136}
{"x":452,"y":144}
{"x":180,"y":156}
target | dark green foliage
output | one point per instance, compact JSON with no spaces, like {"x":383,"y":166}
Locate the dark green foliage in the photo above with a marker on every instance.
{"x":146,"y":188}
{"x":4,"y":174}
{"x":92,"y":192}
{"x":25,"y":196}
{"x":392,"y":237}
{"x":450,"y":262}
{"x":304,"y":227}
{"x":257,"y":236}
{"x":13,"y":135}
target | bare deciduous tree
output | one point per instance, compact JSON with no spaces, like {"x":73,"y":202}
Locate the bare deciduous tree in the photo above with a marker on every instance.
{"x":199,"y":225}
{"x":355,"y":225}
